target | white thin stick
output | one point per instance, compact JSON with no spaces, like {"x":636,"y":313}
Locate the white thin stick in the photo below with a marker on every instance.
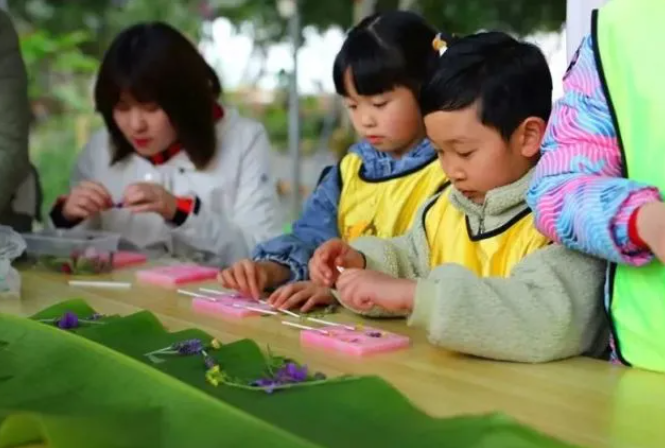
{"x":196,"y":294}
{"x":340,"y":269}
{"x":327,"y":322}
{"x":212,"y":291}
{"x":219,"y":291}
{"x":258,"y":310}
{"x":303,"y":327}
{"x":290,"y":313}
{"x":95,"y":284}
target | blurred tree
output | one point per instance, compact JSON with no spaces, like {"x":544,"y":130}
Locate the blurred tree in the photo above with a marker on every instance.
{"x":57,"y":68}
{"x":103,"y":19}
{"x":459,"y":16}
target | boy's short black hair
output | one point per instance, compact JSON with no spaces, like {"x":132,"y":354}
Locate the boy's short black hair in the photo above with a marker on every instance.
{"x":509,"y":79}
{"x":154,"y":63}
{"x":384,"y":51}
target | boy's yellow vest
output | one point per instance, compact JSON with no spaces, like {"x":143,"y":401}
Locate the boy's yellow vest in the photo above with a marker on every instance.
{"x":491,"y":254}
{"x":384,"y":208}
{"x":629,"y":38}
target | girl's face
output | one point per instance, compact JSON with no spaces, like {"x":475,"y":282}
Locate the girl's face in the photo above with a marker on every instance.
{"x":145,"y":125}
{"x":390,"y":121}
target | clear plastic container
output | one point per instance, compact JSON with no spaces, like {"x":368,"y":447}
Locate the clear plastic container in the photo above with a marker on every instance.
{"x":73,"y":251}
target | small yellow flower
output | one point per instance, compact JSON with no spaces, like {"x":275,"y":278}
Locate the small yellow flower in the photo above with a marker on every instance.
{"x":212,"y":380}
{"x":215,"y":344}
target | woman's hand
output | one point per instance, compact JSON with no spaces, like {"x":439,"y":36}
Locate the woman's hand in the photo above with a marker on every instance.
{"x":85,"y":200}
{"x":143,"y":197}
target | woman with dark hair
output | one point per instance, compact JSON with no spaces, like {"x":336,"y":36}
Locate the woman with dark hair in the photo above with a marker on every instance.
{"x":173,"y":172}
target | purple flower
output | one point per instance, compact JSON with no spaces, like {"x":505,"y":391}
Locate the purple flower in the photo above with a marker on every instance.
{"x":68,"y":320}
{"x":188,"y":347}
{"x":266,"y":384}
{"x":294,"y":372}
{"x":373,"y":334}
{"x":209,"y":361}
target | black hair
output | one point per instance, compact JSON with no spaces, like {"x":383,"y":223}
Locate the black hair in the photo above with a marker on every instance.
{"x":509,"y":79}
{"x":384,"y":51}
{"x":154,"y":63}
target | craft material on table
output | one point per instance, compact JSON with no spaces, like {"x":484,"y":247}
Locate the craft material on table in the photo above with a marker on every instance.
{"x":358,"y":342}
{"x":95,"y":284}
{"x":216,"y":292}
{"x":174,"y":275}
{"x":73,"y":251}
{"x":233,"y":305}
{"x":123,"y":259}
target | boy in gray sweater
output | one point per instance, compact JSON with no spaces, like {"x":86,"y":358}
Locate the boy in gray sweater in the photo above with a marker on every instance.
{"x":473,"y":271}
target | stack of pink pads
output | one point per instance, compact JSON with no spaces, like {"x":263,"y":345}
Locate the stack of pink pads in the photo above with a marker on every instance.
{"x":176,"y":275}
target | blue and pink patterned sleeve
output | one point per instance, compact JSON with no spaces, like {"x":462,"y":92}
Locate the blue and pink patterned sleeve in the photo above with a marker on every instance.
{"x":578,"y":194}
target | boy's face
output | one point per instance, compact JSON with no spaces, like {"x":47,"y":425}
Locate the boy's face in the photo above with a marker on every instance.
{"x":391,"y":121}
{"x":475,"y":157}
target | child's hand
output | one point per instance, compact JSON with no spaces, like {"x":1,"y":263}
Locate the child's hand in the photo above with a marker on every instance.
{"x":143,"y":197}
{"x":296,"y":294}
{"x":330,"y":255}
{"x":361,"y":290}
{"x":252,"y":277}
{"x":86,"y":199}
{"x":651,"y":227}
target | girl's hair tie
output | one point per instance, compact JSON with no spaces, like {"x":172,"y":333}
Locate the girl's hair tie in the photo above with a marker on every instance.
{"x":439,"y":44}
{"x":443,"y":41}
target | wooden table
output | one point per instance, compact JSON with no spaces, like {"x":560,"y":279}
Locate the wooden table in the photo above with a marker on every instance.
{"x":587,"y":402}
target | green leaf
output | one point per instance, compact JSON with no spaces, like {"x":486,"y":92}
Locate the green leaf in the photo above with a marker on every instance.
{"x":75,"y":387}
{"x":71,"y":377}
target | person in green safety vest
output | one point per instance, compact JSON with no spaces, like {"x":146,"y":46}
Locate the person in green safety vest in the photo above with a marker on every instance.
{"x":598,"y":186}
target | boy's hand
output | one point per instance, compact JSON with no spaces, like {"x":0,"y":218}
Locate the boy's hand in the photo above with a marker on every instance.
{"x":85,"y":200}
{"x":252,"y":277}
{"x":330,"y":255}
{"x":307,"y":294}
{"x":361,"y":290}
{"x":651,"y":227}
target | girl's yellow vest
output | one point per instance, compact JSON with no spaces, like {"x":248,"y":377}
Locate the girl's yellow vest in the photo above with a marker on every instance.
{"x":629,"y":39}
{"x":385,"y":208}
{"x":491,"y":254}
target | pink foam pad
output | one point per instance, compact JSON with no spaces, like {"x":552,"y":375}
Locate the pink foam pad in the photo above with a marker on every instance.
{"x":360,"y":342}
{"x":123,"y":259}
{"x":172,"y":276}
{"x":224,"y":304}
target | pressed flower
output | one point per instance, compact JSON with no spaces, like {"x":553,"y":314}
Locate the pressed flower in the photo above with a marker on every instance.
{"x":290,"y":373}
{"x":215,"y":376}
{"x":68,"y":320}
{"x":294,"y":373}
{"x":209,"y":361}
{"x":374,"y":334}
{"x":266,"y":384}
{"x":212,"y":380}
{"x":188,"y":347}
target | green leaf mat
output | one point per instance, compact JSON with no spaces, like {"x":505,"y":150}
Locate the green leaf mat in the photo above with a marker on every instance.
{"x":92,"y":387}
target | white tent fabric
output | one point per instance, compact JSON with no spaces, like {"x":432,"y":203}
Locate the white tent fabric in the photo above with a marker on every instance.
{"x":578,"y":22}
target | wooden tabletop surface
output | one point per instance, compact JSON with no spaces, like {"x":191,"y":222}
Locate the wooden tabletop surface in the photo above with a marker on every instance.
{"x":583,"y":401}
